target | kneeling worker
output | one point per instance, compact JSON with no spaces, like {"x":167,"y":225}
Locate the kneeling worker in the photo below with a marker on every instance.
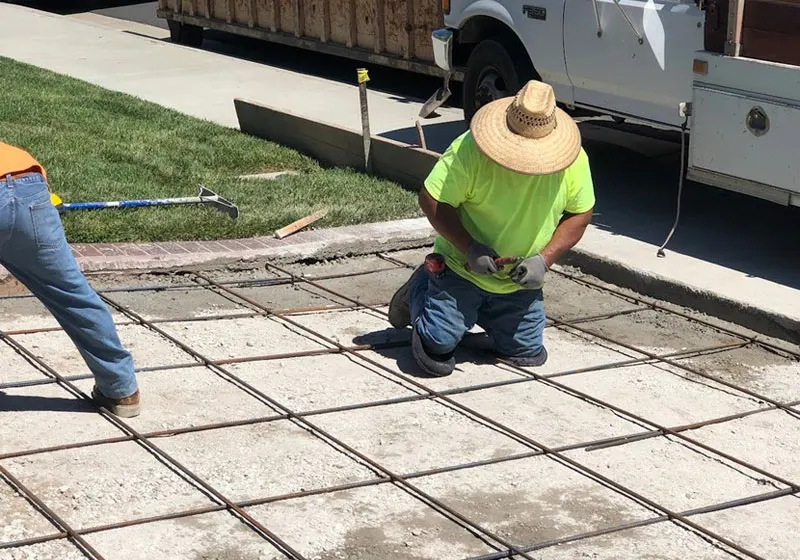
{"x":34,"y":249}
{"x":507,"y":198}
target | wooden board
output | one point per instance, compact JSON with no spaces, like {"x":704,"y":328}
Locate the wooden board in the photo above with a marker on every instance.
{"x":314,"y":18}
{"x":265,"y":14}
{"x":340,"y":21}
{"x":366,"y":12}
{"x":771,"y":29}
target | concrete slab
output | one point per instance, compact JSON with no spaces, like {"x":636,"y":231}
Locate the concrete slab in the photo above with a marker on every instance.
{"x":669,"y":399}
{"x":664,"y":541}
{"x":47,"y":416}
{"x":375,"y":522}
{"x":16,"y":368}
{"x":467,"y":373}
{"x":743,"y":438}
{"x":768,"y":528}
{"x":105,"y":484}
{"x":178,"y":304}
{"x":297,"y":296}
{"x":762,"y":371}
{"x":533,"y":500}
{"x":412,"y":437}
{"x":29,"y":313}
{"x":148,"y":349}
{"x":240,"y":338}
{"x":527,"y":501}
{"x":295,"y":459}
{"x":305,"y":384}
{"x":179,"y":398}
{"x":20,"y":519}
{"x":211,"y":536}
{"x":647,"y":330}
{"x":547,"y":415}
{"x":354,"y":327}
{"x":58,"y":550}
{"x":672,"y":474}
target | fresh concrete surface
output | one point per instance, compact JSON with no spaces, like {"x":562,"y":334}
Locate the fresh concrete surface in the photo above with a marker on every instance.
{"x":527,"y":500}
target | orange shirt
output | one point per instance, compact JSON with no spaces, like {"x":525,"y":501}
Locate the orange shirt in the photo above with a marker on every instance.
{"x":15,"y":160}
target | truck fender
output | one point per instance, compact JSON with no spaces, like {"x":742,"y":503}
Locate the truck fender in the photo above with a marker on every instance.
{"x":488,"y":8}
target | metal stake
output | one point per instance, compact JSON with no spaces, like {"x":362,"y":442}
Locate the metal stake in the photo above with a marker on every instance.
{"x":363,"y":78}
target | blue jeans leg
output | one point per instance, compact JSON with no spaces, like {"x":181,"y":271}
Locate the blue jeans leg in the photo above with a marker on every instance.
{"x":515,"y":322}
{"x":37,"y":253}
{"x":443,"y":310}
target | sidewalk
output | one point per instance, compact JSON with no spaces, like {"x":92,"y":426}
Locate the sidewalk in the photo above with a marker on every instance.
{"x":196,"y":82}
{"x":739,"y":261}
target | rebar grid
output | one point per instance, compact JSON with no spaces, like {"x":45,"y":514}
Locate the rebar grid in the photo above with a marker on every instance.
{"x":442,"y":396}
{"x":559,"y":457}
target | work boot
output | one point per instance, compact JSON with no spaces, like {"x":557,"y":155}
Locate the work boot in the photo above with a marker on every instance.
{"x":438,"y":365}
{"x":128,"y":407}
{"x":399,"y":311}
{"x":529,"y":361}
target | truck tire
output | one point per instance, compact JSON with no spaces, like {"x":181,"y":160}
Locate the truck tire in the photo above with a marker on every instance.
{"x":185,"y":34}
{"x":495,"y":69}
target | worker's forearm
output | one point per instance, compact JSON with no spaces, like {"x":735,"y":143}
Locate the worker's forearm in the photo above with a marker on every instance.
{"x":445,"y":221}
{"x":566,"y":236}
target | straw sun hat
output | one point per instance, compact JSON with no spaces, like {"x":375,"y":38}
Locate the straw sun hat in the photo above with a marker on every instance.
{"x":527,"y":133}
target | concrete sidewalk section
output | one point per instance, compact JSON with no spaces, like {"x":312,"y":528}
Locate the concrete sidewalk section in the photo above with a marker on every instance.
{"x":308,"y":433}
{"x":195,"y":82}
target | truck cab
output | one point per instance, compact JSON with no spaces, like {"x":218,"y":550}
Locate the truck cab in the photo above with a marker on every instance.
{"x":727,"y":70}
{"x":620,"y":57}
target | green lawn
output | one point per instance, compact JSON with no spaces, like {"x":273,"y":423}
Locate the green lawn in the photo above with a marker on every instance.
{"x":101,"y":145}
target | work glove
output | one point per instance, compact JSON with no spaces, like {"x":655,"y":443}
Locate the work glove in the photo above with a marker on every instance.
{"x":530,"y":273}
{"x":480,"y":259}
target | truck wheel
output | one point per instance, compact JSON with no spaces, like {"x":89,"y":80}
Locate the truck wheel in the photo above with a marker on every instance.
{"x":492,"y":74}
{"x":185,"y":34}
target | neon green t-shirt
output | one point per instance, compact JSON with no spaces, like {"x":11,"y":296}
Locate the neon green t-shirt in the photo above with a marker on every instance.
{"x":514,"y":214}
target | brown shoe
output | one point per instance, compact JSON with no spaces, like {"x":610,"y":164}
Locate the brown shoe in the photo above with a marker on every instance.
{"x":128,"y":407}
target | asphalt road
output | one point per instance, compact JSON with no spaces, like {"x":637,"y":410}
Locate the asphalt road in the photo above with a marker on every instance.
{"x":636,"y":194}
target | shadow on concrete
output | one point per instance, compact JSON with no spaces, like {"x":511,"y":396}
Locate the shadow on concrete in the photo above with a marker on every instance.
{"x":636,"y":197}
{"x":26,"y":403}
{"x":473,"y":349}
{"x":437,"y":135}
{"x":66,"y":7}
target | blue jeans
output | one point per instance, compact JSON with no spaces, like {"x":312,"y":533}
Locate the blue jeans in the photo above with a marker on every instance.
{"x":34,"y":249}
{"x":444,"y":309}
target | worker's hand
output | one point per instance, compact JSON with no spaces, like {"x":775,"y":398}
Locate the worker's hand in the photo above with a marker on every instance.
{"x":480,"y":259}
{"x":530,"y":273}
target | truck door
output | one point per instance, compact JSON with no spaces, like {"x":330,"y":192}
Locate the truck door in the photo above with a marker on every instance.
{"x":633,"y":57}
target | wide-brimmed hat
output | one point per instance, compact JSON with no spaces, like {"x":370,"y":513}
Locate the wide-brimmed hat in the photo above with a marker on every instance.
{"x":527,"y":133}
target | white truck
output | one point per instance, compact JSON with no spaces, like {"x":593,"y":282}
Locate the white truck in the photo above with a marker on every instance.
{"x":673,"y":63}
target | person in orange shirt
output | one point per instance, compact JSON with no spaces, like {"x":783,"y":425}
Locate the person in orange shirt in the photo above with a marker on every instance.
{"x":34,"y":249}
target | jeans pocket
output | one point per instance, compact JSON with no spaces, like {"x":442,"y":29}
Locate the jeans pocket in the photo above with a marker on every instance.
{"x":47,"y":229}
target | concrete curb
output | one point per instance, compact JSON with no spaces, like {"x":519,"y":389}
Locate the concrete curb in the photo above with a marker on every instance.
{"x":309,"y":245}
{"x":647,"y":283}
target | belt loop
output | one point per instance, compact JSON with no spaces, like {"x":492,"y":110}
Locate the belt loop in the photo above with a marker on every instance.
{"x":9,"y":180}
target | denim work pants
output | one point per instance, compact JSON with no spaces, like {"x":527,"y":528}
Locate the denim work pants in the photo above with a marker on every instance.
{"x":34,"y":249}
{"x":444,"y":309}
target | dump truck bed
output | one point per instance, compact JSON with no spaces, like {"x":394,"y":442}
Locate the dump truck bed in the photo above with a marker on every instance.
{"x":394,"y":33}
